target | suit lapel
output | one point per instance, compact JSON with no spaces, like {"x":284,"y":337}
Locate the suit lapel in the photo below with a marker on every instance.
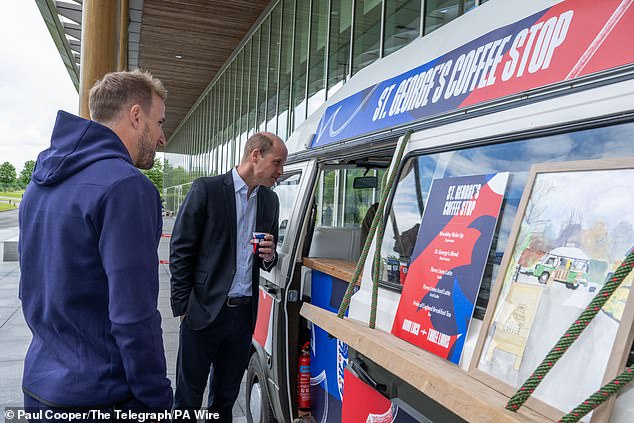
{"x":230,"y":204}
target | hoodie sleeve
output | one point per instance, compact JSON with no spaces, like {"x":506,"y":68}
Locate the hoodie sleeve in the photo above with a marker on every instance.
{"x":129,"y":218}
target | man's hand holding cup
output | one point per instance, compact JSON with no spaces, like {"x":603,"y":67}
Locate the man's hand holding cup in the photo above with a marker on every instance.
{"x":264,"y":246}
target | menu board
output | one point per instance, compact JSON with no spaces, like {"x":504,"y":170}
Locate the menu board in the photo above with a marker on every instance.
{"x":448,"y":261}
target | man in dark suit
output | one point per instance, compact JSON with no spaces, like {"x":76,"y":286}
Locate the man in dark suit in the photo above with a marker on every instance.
{"x":215,"y":272}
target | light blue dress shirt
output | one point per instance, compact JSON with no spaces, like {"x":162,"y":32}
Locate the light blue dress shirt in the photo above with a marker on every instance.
{"x":246,"y":210}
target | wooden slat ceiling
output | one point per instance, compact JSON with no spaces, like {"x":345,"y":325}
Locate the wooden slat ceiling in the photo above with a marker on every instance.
{"x":204,"y":33}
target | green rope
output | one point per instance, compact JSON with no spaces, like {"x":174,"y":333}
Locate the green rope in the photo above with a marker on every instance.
{"x":573,"y":332}
{"x":376,"y":265}
{"x":602,"y":395}
{"x":377,"y":224}
{"x":345,"y":303}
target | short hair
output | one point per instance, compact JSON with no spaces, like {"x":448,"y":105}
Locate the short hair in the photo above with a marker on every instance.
{"x":116,"y":90}
{"x":262,"y":141}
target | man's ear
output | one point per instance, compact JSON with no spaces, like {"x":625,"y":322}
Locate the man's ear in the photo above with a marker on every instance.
{"x":136,"y":116}
{"x":255,"y":154}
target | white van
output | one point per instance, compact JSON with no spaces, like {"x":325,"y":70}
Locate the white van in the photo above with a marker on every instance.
{"x":507,"y":85}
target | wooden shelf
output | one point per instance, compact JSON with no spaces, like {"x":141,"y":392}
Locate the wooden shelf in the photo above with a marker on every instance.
{"x":341,"y":269}
{"x":440,"y":380}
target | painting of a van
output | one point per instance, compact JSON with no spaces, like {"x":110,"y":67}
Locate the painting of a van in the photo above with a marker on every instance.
{"x":568,"y":265}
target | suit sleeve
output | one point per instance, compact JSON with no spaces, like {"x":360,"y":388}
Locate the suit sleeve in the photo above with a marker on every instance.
{"x":185,"y":242}
{"x":274,"y":230}
{"x":129,"y":223}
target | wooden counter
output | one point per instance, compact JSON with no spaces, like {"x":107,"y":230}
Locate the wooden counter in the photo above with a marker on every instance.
{"x":341,"y":269}
{"x":439,"y":379}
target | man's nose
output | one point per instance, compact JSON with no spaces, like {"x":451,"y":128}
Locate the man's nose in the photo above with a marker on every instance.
{"x":162,"y":139}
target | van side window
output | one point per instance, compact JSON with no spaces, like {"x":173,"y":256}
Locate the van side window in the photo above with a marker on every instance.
{"x":287,"y":189}
{"x":406,"y":207}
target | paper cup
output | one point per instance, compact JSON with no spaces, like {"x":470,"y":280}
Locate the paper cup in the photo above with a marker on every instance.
{"x":257,"y":237}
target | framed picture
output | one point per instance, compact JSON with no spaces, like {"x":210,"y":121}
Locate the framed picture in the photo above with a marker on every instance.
{"x":574,"y":226}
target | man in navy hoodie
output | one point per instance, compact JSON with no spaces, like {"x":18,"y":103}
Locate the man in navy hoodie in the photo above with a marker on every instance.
{"x":90,"y":223}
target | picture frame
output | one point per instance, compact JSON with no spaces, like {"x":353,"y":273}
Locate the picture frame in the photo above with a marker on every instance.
{"x":572,"y":229}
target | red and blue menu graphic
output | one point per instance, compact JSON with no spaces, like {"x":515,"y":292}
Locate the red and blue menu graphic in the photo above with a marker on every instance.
{"x":448,"y":262}
{"x":361,"y":403}
{"x":569,"y":40}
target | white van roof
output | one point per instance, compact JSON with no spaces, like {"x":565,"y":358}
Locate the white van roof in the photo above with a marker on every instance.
{"x":571,"y":252}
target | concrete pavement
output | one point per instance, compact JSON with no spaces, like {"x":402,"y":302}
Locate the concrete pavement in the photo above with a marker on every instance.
{"x":15,"y":335}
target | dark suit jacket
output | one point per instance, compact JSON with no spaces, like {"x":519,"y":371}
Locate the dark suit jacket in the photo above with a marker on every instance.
{"x":203,"y":248}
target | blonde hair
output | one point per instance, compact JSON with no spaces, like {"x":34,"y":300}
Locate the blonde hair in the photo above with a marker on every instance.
{"x":117,"y":90}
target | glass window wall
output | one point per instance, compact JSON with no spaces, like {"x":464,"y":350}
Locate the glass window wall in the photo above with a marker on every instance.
{"x":286,"y":64}
{"x":263,"y":73}
{"x":317,"y":55}
{"x":302,"y":53}
{"x":367,"y":33}
{"x":339,"y":50}
{"x":244,"y":94}
{"x":402,"y":24}
{"x":253,"y":86}
{"x":300,"y":58}
{"x":274,"y":64}
{"x":441,"y":12}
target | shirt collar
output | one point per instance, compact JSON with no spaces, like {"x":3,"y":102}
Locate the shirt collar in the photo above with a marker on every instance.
{"x":239,"y":184}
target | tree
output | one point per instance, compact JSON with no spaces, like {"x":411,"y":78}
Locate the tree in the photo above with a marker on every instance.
{"x":155,"y":174}
{"x":27,"y":171}
{"x":7,"y":173}
{"x":595,"y":241}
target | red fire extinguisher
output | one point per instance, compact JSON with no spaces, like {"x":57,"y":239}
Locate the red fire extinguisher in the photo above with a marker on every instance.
{"x":303,"y":379}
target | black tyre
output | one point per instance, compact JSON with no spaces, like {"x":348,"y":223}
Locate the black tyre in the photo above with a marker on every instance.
{"x":258,"y":403}
{"x":543,"y":278}
{"x":571,"y":285}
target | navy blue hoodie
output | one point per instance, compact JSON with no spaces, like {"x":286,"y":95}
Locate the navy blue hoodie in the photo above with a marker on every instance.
{"x":90,"y":223}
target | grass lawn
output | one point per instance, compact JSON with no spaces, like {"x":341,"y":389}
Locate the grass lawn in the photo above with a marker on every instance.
{"x":6,"y":206}
{"x":12,"y":194}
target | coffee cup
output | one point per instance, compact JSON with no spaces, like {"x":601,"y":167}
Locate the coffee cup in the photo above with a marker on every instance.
{"x":257,"y":238}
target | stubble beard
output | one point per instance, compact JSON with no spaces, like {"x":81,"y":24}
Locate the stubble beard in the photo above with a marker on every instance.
{"x":147,"y":151}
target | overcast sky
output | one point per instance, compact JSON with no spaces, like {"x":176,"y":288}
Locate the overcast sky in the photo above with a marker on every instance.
{"x":34,"y":83}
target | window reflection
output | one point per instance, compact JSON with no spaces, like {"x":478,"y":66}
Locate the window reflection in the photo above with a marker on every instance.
{"x":317,"y":55}
{"x":515,"y":157}
{"x":440,"y":12}
{"x":263,"y":72}
{"x":285,"y":68}
{"x":302,"y":16}
{"x":253,"y":85}
{"x":339,"y":50}
{"x":274,"y":61}
{"x":367,"y":33}
{"x":402,"y":24}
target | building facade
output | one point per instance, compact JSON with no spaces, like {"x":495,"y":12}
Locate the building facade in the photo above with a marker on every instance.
{"x":297,"y":55}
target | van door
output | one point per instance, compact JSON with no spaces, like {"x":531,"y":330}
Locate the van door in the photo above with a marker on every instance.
{"x":267,"y":377}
